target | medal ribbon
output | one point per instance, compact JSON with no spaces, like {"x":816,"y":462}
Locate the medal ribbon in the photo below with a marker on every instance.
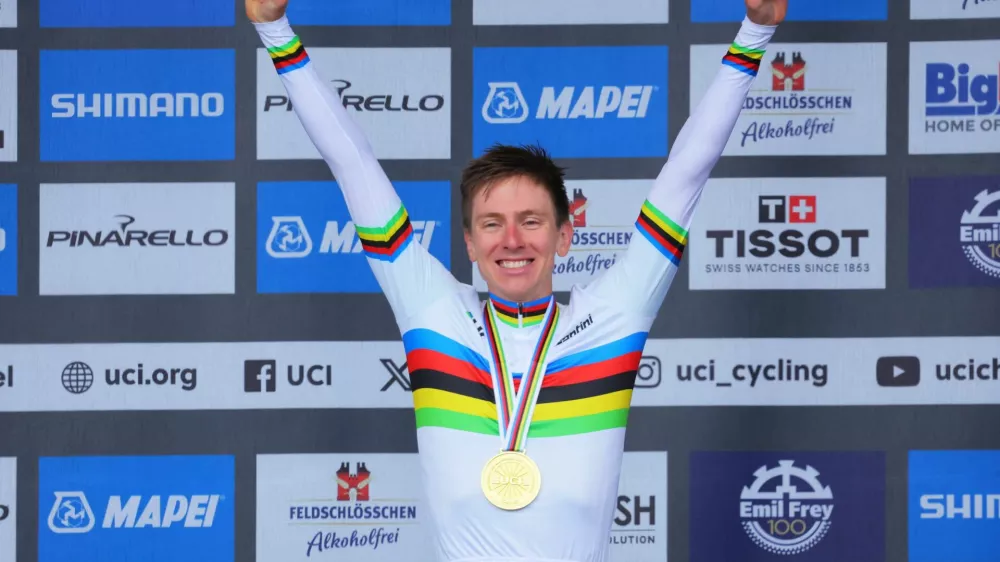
{"x":514,"y":411}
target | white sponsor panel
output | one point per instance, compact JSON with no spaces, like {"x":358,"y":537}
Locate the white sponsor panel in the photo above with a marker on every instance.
{"x":8,"y":508}
{"x":954,"y":9}
{"x":639,"y":527}
{"x":341,"y":506}
{"x":8,"y":105}
{"x":807,"y":99}
{"x":789,"y":233}
{"x":954,"y":97}
{"x":569,"y":12}
{"x":400,"y":99}
{"x":822,"y":372}
{"x":603,"y":213}
{"x":137,"y":238}
{"x":207,"y":376}
{"x":8,"y":13}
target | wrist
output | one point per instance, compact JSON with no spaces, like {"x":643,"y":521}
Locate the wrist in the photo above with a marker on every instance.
{"x":754,"y":35}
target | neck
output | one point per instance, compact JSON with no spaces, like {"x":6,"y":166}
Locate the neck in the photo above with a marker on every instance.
{"x":521,"y":314}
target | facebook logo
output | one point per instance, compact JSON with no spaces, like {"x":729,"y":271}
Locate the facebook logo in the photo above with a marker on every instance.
{"x":260,"y":375}
{"x":578,"y":102}
{"x":139,"y":105}
{"x":840,"y":10}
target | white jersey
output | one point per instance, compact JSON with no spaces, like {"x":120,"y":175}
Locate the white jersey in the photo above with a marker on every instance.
{"x":577,"y":430}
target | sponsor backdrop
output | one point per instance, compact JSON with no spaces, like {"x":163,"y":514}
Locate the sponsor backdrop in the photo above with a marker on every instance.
{"x":196,"y":362}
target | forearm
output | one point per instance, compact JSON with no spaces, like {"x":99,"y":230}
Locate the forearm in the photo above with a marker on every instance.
{"x":339,"y":140}
{"x":703,"y":138}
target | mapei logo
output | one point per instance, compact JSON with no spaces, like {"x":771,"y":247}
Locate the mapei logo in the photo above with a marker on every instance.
{"x":289,"y":237}
{"x":957,"y":90}
{"x":71,"y":512}
{"x":787,"y":509}
{"x":353,"y":486}
{"x":505,"y":103}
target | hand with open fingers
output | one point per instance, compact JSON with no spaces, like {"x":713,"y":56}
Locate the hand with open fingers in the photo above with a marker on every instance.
{"x":766,"y":12}
{"x":264,"y":11}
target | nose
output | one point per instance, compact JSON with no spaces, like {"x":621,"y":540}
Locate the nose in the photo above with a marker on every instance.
{"x":512,"y":237}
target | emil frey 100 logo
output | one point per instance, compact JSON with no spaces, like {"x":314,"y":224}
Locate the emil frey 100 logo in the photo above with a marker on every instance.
{"x":793,"y":517}
{"x":980,"y":233}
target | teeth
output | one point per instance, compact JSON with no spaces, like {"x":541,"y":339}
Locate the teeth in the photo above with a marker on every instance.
{"x":513,"y":264}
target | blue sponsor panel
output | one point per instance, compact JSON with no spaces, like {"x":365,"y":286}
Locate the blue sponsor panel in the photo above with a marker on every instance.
{"x":954,"y":506}
{"x":577,"y":102}
{"x":121,"y":509}
{"x":138,"y":105}
{"x":8,"y":239}
{"x":136,"y":13}
{"x":954,"y":232}
{"x":771,"y":506}
{"x":370,"y":12}
{"x":704,"y":11}
{"x":307,"y":241}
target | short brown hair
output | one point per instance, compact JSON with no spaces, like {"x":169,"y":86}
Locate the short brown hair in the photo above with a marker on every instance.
{"x":500,"y":162}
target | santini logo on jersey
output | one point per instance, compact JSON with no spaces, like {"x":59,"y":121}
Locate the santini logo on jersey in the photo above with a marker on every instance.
{"x":289,"y":237}
{"x":506,"y":103}
{"x":159,"y":104}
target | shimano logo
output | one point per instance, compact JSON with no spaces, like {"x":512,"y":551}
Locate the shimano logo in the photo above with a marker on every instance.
{"x":579,"y":328}
{"x":132,"y":105}
{"x":506,"y":104}
{"x":289,"y":237}
{"x":964,"y":506}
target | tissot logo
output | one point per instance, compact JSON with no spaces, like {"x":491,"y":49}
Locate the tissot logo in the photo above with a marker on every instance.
{"x":398,"y":374}
{"x":261,"y":375}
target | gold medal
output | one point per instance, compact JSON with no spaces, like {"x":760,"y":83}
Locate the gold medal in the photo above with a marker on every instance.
{"x":511,"y":480}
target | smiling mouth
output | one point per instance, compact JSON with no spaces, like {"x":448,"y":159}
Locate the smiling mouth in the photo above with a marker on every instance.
{"x":513,"y":264}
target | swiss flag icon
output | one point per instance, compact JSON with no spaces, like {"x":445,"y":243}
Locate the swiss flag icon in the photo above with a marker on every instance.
{"x":802,"y":208}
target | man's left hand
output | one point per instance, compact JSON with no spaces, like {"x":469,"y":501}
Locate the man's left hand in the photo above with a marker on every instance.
{"x":767,"y":12}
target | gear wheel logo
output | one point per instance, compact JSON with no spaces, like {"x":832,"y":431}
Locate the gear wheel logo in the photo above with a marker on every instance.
{"x":786,"y":510}
{"x":980,"y":233}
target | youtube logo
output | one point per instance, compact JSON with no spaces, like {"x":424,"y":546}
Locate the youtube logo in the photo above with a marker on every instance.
{"x":898,"y":371}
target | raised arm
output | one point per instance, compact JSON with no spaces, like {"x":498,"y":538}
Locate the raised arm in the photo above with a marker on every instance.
{"x":408,"y":274}
{"x":639,"y":280}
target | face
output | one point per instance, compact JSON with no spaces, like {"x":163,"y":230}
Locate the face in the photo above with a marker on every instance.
{"x":514,"y":237}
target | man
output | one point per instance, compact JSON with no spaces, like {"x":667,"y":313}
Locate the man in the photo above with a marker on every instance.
{"x":521,"y":403}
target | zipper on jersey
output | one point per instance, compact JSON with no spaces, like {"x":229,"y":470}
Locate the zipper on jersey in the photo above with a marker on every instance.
{"x":520,"y":315}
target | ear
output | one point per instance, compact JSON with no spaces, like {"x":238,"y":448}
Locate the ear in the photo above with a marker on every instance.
{"x":469,"y":248}
{"x":565,"y":239}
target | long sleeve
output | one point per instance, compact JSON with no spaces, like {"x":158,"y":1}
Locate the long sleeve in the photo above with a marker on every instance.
{"x":640,"y":279}
{"x":408,"y":274}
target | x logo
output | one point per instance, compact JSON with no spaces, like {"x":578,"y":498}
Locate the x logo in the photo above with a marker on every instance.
{"x":398,"y":373}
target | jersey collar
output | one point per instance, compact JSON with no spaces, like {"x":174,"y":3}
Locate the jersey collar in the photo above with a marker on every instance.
{"x":521,"y":314}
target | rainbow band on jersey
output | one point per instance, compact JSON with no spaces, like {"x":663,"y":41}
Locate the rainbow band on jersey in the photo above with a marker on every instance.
{"x":288,"y":57}
{"x":744,"y":59}
{"x":387,"y":242}
{"x":664,"y":234}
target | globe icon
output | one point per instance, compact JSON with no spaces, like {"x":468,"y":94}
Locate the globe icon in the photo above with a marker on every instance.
{"x":77,"y":377}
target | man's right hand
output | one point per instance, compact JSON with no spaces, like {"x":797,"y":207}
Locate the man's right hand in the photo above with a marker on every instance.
{"x":264,"y":11}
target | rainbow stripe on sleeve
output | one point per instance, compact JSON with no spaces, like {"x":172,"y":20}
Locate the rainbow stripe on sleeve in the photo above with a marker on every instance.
{"x":744,"y":59}
{"x":288,"y":57}
{"x":387,"y":242}
{"x":664,"y":234}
